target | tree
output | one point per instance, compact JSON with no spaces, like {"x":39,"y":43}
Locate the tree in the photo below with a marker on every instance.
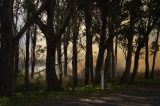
{"x":27,"y":52}
{"x":113,"y":30}
{"x":144,"y":29}
{"x":103,"y":9}
{"x":33,"y":57}
{"x":7,"y":48}
{"x":89,"y":54}
{"x":133,"y":8}
{"x":8,"y":42}
{"x":75,"y":31}
{"x":155,"y":47}
{"x":65,"y":46}
{"x":52,"y":37}
{"x":147,"y":59}
{"x":27,"y":60}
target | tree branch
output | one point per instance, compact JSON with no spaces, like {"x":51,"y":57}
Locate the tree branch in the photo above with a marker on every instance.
{"x":31,"y":20}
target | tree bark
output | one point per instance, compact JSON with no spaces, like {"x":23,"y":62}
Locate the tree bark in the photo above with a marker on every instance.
{"x":51,"y":77}
{"x":26,"y":79}
{"x":34,"y":40}
{"x":153,"y":65}
{"x":147,"y":59}
{"x":101,"y":48}
{"x":108,"y":62}
{"x":136,"y":63}
{"x":89,"y":54}
{"x":59,"y":58}
{"x":16,"y":70}
{"x":65,"y":45}
{"x":113,"y":62}
{"x":126,"y":74}
{"x":116,"y":56}
{"x":74,"y":60}
{"x":7,"y":49}
{"x":154,"y":56}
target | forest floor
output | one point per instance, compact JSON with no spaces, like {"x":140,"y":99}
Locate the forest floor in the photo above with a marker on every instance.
{"x":134,"y":97}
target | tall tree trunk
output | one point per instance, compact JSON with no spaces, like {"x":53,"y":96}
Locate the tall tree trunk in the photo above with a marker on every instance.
{"x":147,"y":59}
{"x":136,"y":63}
{"x":16,"y":70}
{"x":126,"y":74}
{"x":101,"y":48}
{"x":27,"y":60}
{"x":108,"y":62}
{"x":89,"y":54}
{"x":59,"y":55}
{"x":153,"y":65}
{"x":7,"y":49}
{"x":51,"y":77}
{"x":116,"y":55}
{"x":154,"y":56}
{"x":113,"y":62}
{"x":7,"y":66}
{"x":74,"y":60}
{"x":34,"y":40}
{"x":65,"y":45}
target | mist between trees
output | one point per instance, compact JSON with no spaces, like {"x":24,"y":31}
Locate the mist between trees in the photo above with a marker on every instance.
{"x":40,"y":60}
{"x":70,"y":40}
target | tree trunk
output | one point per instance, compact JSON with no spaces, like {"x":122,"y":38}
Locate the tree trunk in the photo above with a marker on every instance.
{"x":113,"y":61}
{"x":7,"y":49}
{"x":7,"y":67}
{"x":136,"y":63}
{"x":74,"y":60}
{"x":51,"y":77}
{"x":34,"y":40}
{"x":59,"y":55}
{"x":108,"y":62}
{"x":153,"y":65}
{"x":65,"y":44}
{"x":16,"y":70}
{"x":89,"y":54}
{"x":27,"y":60}
{"x":147,"y":59}
{"x":154,"y":56}
{"x":101,"y":48}
{"x":126,"y":74}
{"x":116,"y":55}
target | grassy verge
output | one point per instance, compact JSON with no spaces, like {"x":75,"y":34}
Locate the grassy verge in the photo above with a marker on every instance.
{"x":41,"y":96}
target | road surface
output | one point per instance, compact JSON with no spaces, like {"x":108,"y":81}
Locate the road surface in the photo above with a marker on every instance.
{"x":134,"y":97}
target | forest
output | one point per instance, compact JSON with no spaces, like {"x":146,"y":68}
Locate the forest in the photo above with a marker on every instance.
{"x":79,"y":42}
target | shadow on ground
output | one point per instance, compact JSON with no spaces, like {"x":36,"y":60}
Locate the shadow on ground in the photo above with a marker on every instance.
{"x":135,"y":97}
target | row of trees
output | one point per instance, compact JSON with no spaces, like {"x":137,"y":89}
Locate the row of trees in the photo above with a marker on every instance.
{"x":112,"y":22}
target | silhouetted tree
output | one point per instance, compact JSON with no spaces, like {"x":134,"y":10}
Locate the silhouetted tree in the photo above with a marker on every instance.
{"x":89,"y":54}
{"x":156,"y":48}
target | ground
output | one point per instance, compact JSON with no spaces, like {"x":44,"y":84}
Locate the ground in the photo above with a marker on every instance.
{"x":138,"y":93}
{"x":144,"y":96}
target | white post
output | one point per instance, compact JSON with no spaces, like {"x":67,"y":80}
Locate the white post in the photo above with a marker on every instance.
{"x":102,"y":80}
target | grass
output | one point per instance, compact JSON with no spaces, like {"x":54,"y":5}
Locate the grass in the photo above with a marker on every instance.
{"x":39,"y":95}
